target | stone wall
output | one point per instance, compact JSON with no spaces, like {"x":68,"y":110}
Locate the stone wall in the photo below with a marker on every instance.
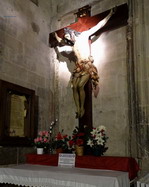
{"x":140,"y":124}
{"x":110,"y":108}
{"x":26,"y":58}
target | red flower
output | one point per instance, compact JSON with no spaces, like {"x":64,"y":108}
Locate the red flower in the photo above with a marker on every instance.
{"x":59,"y":136}
{"x":74,"y":136}
{"x":65,"y":136}
{"x":71,"y":143}
{"x":102,"y":131}
{"x":79,"y":142}
{"x":80,"y":134}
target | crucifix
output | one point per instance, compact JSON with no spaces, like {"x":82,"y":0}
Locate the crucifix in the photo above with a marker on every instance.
{"x":78,"y":37}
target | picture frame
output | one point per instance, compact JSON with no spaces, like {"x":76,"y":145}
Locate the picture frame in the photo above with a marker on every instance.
{"x":17,"y":111}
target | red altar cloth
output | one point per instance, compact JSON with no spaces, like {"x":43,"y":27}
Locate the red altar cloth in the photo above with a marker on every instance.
{"x":126,"y":164}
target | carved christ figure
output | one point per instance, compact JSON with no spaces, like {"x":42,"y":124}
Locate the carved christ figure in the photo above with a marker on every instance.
{"x":78,"y":43}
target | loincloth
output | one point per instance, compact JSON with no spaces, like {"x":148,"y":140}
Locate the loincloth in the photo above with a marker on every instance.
{"x":86,"y":67}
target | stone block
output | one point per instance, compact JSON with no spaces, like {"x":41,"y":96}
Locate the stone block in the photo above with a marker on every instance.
{"x":41,"y":92}
{"x":11,"y":29}
{"x":109,"y":87}
{"x":11,"y":70}
{"x":1,"y":62}
{"x":36,"y":79}
{"x":99,"y":6}
{"x":11,"y":159}
{"x":103,"y":117}
{"x":30,"y":64}
{"x":2,"y":23}
{"x":13,"y":43}
{"x":110,"y":103}
{"x":22,"y":153}
{"x":2,"y":38}
{"x":1,"y":49}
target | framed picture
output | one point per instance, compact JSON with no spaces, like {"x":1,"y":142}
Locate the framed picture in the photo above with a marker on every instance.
{"x":17,"y":106}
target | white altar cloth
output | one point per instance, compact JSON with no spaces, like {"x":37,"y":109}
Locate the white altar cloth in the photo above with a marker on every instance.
{"x":51,"y":176}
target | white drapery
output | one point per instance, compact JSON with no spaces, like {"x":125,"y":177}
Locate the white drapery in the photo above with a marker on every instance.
{"x":50,"y":176}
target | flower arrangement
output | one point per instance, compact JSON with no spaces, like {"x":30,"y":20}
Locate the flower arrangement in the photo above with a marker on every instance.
{"x":77,"y":137}
{"x":42,"y":140}
{"x":77,"y":142}
{"x":61,"y":141}
{"x":97,"y":139}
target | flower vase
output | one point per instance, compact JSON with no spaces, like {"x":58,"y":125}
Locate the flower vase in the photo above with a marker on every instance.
{"x":79,"y":150}
{"x":59,"y":150}
{"x":39,"y":151}
{"x":97,"y":152}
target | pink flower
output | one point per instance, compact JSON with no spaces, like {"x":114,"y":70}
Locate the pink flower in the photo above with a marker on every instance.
{"x":46,"y":133}
{"x":40,"y":133}
{"x":45,"y":140}
{"x":40,"y":138}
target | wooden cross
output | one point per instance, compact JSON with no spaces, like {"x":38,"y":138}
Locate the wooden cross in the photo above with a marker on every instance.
{"x":119,"y":19}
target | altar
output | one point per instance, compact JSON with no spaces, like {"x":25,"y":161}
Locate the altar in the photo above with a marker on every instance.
{"x":125,"y":164}
{"x":89,"y":171}
{"x":50,"y":176}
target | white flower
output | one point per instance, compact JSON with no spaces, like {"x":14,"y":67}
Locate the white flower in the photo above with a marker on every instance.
{"x":94,"y":132}
{"x":100,"y":141}
{"x":90,"y":143}
{"x":101,"y":128}
{"x":98,"y":135}
{"x":98,"y":138}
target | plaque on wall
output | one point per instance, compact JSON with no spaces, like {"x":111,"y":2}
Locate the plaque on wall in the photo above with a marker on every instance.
{"x":17,"y":106}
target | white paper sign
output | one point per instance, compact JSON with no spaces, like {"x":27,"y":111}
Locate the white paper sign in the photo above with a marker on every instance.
{"x":66,"y":160}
